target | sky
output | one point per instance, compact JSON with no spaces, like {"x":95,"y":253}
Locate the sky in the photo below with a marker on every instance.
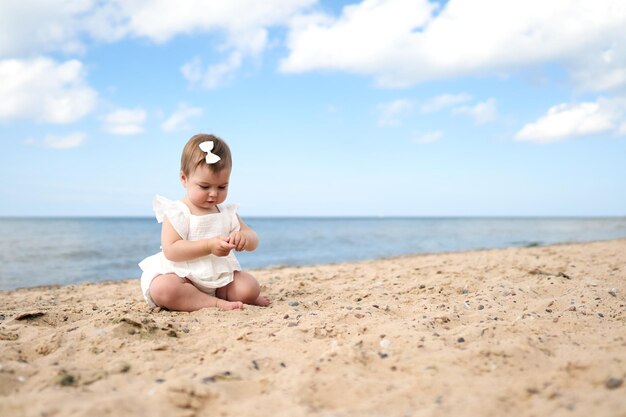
{"x":331,"y":108}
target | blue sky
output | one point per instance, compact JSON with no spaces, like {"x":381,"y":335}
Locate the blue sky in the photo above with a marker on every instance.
{"x":372,"y":108}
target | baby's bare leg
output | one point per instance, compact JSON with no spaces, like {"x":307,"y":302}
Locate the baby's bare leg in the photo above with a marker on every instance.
{"x":179,"y":294}
{"x":244,"y":288}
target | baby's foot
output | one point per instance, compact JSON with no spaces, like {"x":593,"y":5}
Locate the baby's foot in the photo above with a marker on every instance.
{"x":262,"y":301}
{"x":229,"y":305}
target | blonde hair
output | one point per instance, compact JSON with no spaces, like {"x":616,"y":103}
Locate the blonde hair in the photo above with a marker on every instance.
{"x":192,"y":156}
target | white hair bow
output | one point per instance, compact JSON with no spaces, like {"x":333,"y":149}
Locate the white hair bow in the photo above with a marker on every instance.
{"x":207,"y":147}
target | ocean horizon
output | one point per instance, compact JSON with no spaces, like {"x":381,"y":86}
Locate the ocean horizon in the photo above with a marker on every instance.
{"x":61,"y":250}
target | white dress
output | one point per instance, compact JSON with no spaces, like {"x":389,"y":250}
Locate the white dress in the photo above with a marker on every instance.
{"x":206,"y":273}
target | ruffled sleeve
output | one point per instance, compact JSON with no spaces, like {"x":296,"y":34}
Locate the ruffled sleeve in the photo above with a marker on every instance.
{"x":176,"y":213}
{"x":231,"y":209}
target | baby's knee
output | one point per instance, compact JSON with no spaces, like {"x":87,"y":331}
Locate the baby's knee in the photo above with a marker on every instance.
{"x":253,"y":291}
{"x":163,"y":290}
{"x":249,"y":292}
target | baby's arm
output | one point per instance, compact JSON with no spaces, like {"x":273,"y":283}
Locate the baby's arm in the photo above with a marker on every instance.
{"x":245,"y":238}
{"x":177,"y":249}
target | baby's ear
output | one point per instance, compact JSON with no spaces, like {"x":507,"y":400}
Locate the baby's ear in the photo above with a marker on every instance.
{"x":183,"y":178}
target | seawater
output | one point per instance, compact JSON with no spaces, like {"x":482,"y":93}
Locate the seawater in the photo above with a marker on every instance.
{"x":48,"y":251}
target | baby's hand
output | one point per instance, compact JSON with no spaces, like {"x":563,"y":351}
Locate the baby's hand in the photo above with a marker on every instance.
{"x":239,"y":240}
{"x":220,"y":246}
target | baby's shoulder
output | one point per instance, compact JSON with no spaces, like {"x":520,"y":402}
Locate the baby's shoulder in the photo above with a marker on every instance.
{"x":230,"y":209}
{"x":173,"y":209}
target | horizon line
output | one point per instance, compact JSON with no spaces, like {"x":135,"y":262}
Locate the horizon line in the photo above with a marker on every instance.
{"x":339,"y":216}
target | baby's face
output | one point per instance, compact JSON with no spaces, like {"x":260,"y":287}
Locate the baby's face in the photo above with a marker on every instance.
{"x":206,"y":189}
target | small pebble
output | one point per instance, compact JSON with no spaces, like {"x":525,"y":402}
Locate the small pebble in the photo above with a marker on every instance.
{"x":224,"y":376}
{"x":293,"y":303}
{"x":481,"y":307}
{"x":67,"y":380}
{"x":613,"y":292}
{"x":29,"y":315}
{"x":460,"y":340}
{"x":385,"y":343}
{"x":121,"y":367}
{"x":383,"y":355}
{"x":613,"y":383}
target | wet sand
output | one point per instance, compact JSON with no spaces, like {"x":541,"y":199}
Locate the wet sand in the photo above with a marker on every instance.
{"x":525,"y":332}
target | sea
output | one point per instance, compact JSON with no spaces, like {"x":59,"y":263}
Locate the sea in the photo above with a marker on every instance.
{"x":58,"y":251}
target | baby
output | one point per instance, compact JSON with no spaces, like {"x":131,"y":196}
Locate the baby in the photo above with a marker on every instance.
{"x":197,"y":267}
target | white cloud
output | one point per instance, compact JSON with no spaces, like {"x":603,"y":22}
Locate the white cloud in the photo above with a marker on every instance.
{"x":444,"y":101}
{"x":161,"y":20}
{"x":601,"y":70}
{"x":483,"y":112}
{"x":42,"y":26}
{"x":402,"y":42}
{"x":178,"y":120}
{"x":243,"y":24}
{"x":360,"y":40}
{"x":398,"y":42}
{"x":565,"y":121}
{"x":72,"y":140}
{"x":34,"y":27}
{"x":213,"y":76}
{"x":125,"y":121}
{"x":44,"y":90}
{"x":389,"y":114}
{"x":428,"y":137}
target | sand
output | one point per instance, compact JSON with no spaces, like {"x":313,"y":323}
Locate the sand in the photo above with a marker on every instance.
{"x":515,"y":332}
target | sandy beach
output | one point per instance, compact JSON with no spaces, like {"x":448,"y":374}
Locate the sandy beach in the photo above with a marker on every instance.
{"x":525,"y":332}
